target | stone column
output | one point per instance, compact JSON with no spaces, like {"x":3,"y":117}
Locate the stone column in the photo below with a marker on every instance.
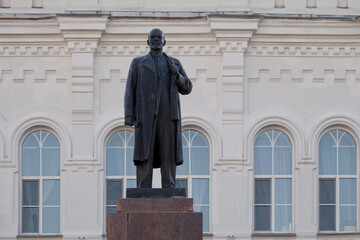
{"x":233,"y":36}
{"x":82,"y":36}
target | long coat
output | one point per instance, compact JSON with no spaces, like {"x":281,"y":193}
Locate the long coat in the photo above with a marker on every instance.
{"x":141,"y":100}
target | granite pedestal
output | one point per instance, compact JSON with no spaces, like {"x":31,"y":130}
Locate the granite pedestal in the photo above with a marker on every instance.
{"x":154,"y":219}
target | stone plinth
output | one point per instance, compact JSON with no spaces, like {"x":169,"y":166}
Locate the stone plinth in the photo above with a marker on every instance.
{"x":154,"y":219}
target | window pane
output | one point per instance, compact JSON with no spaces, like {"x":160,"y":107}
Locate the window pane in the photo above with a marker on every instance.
{"x":327,"y":218}
{"x":30,"y":193}
{"x":262,"y":192}
{"x":327,"y":191}
{"x":347,"y":139}
{"x":282,"y":160}
{"x":327,"y":155}
{"x":115,"y":140}
{"x":200,"y":191}
{"x":51,"y":140}
{"x":51,"y":192}
{"x":262,"y":218}
{"x":30,"y":220}
{"x":130,"y":167}
{"x":348,"y":218}
{"x":130,"y":139}
{"x":263,"y":139}
{"x":51,"y":220}
{"x":206,"y":216}
{"x":283,"y":191}
{"x":200,"y":140}
{"x":184,"y":168}
{"x":51,"y":161}
{"x":199,"y":161}
{"x":182,"y":183}
{"x":282,"y":140}
{"x":115,"y":161}
{"x":263,"y":160}
{"x":347,"y":160}
{"x":32,"y":140}
{"x":131,"y":183}
{"x":347,"y":191}
{"x":114,"y":190}
{"x":283,"y":218}
{"x":111,"y":209}
{"x":31,"y":162}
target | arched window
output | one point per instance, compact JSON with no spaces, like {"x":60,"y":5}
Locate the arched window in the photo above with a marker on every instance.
{"x":40,"y":174}
{"x":273,"y":202}
{"x":194,"y":173}
{"x":337,"y":182}
{"x":120,"y":169}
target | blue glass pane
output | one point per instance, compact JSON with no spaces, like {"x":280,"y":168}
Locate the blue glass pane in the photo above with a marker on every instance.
{"x":282,"y":140}
{"x":31,"y":162}
{"x":115,"y":140}
{"x":283,"y":191}
{"x":200,"y":191}
{"x":347,"y":140}
{"x":32,"y":140}
{"x":262,"y":192}
{"x":30,"y":193}
{"x":185,"y":139}
{"x":131,"y":183}
{"x":192,"y":134}
{"x":262,"y":218}
{"x":51,"y":192}
{"x":327,"y":155}
{"x":283,"y":218}
{"x":115,"y":161}
{"x":199,"y":161}
{"x":347,"y":160}
{"x":262,"y":160}
{"x":51,"y":220}
{"x":282,"y":160}
{"x":50,"y":140}
{"x":51,"y":161}
{"x":30,"y":220}
{"x":206,"y":216}
{"x":200,"y":140}
{"x":327,"y":218}
{"x":348,"y":191}
{"x":114,"y":190}
{"x":111,"y":209}
{"x":327,"y":191}
{"x":181,"y":183}
{"x":130,"y":167}
{"x":184,"y":168}
{"x":263,"y":139}
{"x":348,"y":218}
{"x":130,"y":139}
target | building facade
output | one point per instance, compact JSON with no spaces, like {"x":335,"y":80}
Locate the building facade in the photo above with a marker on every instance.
{"x":271,"y":131}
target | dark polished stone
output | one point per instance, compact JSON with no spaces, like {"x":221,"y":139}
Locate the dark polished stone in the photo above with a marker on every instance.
{"x":155,"y":193}
{"x":155,"y":205}
{"x":116,"y":226}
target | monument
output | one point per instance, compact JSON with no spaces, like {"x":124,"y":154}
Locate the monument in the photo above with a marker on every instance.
{"x":152,"y":106}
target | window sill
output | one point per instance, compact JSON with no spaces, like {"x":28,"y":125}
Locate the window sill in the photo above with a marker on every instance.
{"x":337,"y":233}
{"x":39,"y":236}
{"x":273,"y":235}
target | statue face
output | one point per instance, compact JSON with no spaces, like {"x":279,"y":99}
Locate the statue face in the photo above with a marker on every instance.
{"x":156,"y":39}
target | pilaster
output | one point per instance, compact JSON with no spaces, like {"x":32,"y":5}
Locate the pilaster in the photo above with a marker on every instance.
{"x":82,"y":37}
{"x":233,"y":36}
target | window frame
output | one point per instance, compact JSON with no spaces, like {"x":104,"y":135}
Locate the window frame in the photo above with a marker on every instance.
{"x":272,"y":178}
{"x":40,"y":179}
{"x":337,"y":177}
{"x":189,"y":178}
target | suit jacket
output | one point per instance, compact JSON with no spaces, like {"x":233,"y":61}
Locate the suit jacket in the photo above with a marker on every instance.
{"x":142,"y":95}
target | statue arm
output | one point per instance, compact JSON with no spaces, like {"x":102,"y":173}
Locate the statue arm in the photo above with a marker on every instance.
{"x":130,"y":95}
{"x":182,"y":81}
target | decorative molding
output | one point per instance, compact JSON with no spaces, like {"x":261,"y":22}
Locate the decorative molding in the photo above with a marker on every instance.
{"x":36,"y":76}
{"x":34,"y":51}
{"x":137,"y":50}
{"x":303,"y":51}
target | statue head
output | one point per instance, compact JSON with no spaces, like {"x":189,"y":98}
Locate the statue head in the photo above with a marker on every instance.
{"x":156,"y":39}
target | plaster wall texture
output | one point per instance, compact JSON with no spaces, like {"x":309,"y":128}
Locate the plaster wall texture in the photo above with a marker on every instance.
{"x":68,"y":73}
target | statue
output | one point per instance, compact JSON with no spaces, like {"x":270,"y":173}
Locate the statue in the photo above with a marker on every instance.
{"x":152,"y":106}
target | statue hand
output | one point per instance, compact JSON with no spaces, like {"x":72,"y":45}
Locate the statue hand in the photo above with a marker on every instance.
{"x":174,"y":69}
{"x":129,"y":121}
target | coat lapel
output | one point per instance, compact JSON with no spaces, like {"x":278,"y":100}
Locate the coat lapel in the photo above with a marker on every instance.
{"x":149,"y":63}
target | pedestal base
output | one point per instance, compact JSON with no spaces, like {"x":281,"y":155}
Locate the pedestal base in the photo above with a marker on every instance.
{"x":154,"y":219}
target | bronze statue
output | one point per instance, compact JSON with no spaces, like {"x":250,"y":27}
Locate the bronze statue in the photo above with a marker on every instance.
{"x":152,"y":106}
